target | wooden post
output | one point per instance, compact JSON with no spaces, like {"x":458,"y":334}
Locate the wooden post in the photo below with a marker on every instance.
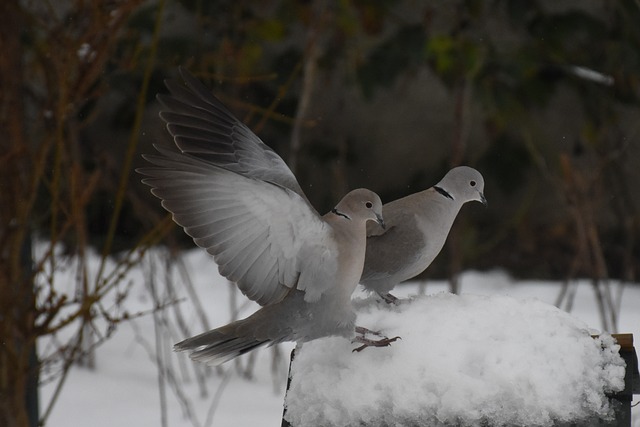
{"x":631,"y":381}
{"x":286,"y":423}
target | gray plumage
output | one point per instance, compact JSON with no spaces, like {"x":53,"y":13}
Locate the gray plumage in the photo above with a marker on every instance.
{"x":416,"y":230}
{"x":292,"y":319}
{"x":253,"y":218}
{"x":201,"y":125}
{"x":417,"y":225}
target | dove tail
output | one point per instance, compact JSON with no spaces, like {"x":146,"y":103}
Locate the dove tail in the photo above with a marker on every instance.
{"x":218,"y":346}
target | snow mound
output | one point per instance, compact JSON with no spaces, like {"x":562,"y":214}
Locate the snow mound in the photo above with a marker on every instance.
{"x":463,"y":360}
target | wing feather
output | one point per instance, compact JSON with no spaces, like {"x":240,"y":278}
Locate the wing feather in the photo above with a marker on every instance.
{"x":203,"y":127}
{"x":262,"y":235}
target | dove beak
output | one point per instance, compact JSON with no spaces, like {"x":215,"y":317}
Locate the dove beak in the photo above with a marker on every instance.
{"x":483,"y":199}
{"x":380,"y":221}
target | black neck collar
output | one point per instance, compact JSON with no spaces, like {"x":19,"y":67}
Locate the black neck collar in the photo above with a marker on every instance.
{"x":337,"y":212}
{"x":442,"y":191}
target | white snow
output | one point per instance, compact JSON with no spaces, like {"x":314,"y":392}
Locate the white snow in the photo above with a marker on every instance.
{"x":462,"y":360}
{"x":86,"y":53}
{"x":124,"y":388}
{"x":592,"y":75}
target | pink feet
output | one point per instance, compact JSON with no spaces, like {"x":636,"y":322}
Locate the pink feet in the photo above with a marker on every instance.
{"x":361,"y":338}
{"x":389,"y":299}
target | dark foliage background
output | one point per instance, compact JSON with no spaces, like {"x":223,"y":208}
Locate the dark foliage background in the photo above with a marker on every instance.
{"x":542,"y":96}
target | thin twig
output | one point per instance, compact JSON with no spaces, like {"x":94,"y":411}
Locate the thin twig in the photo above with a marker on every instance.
{"x":217,"y":397}
{"x":133,"y":139}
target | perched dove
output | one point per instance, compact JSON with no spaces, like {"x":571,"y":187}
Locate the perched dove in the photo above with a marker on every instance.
{"x":416,"y":229}
{"x":264,"y":236}
{"x":240,"y":150}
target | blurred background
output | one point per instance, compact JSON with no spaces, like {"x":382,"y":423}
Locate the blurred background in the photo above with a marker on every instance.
{"x":541,"y":96}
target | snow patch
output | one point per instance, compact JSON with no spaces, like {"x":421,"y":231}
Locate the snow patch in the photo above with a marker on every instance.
{"x":462,"y":360}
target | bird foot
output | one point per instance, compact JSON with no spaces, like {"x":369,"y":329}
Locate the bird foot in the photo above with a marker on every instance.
{"x":389,"y":299}
{"x":366,"y":342}
{"x":364,"y":331}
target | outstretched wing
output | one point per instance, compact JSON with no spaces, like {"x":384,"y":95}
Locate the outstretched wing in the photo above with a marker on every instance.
{"x":264,"y":237}
{"x":203,"y":127}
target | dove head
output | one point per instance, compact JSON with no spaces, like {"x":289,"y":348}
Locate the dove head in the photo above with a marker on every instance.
{"x":360,"y":204}
{"x":463,"y":184}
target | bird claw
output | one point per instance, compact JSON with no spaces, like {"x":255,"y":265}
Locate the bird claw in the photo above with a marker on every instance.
{"x":368,"y":342}
{"x":364,"y":331}
{"x":389,"y":299}
{"x":383,"y":342}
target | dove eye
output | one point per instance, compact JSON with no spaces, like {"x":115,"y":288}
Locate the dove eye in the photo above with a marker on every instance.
{"x":472,"y":183}
{"x":368,"y":205}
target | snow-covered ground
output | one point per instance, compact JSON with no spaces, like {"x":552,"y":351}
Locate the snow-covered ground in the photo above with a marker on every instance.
{"x":126,"y":389}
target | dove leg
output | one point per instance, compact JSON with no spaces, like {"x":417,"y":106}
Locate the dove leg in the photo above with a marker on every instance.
{"x":364,"y":331}
{"x":388,"y":298}
{"x":366,"y":342}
